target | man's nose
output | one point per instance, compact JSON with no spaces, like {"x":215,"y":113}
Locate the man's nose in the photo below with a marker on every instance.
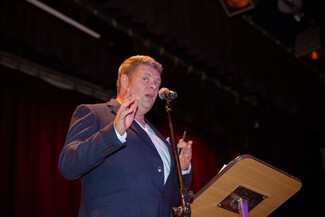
{"x":153,"y":85}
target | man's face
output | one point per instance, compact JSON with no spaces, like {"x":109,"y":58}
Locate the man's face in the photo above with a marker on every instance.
{"x":144,"y":83}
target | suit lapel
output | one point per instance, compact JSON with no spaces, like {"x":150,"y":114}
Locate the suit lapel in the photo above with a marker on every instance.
{"x":114,"y":106}
{"x":142,"y":133}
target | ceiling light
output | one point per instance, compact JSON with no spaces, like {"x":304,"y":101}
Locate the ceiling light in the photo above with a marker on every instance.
{"x":309,"y":46}
{"x":234,"y":7}
{"x":308,"y":41}
{"x":291,"y":6}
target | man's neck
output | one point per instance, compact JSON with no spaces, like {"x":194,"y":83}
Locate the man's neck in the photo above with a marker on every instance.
{"x":141,"y":121}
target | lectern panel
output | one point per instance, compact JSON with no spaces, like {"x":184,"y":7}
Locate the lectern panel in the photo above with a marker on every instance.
{"x":246,"y":171}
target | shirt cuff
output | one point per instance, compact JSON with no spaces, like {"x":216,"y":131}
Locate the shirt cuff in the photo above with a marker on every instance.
{"x":185,"y":172}
{"x":121,"y":138}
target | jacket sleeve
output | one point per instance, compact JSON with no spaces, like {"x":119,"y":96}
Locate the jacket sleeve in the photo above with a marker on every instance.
{"x":87,"y":143}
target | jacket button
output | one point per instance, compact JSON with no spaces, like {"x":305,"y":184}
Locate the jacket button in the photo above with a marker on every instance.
{"x":159,"y":169}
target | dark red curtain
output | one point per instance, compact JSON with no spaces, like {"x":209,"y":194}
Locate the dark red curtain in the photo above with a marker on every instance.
{"x":35,"y":117}
{"x":34,"y":121}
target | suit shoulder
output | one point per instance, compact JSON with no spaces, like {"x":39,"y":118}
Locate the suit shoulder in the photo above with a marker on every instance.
{"x":93,"y":106}
{"x":97,"y":107}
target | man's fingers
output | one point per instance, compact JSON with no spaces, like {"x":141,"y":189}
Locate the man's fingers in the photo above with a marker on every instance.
{"x":182,"y":144}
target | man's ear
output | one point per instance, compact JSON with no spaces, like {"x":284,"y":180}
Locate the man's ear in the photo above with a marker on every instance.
{"x":124,"y":81}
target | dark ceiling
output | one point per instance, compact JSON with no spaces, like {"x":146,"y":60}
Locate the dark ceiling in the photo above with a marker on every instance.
{"x":281,"y":21}
{"x":249,"y":57}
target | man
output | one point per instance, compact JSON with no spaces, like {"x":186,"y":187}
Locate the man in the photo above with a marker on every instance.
{"x":125,"y":165}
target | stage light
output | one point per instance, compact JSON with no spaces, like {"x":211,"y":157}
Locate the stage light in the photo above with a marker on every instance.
{"x":235,"y":7}
{"x":291,"y":6}
{"x":309,"y":46}
{"x":237,"y":3}
{"x":315,"y":54}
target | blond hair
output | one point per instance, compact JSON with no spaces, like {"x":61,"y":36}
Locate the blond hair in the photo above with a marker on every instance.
{"x":130,"y":64}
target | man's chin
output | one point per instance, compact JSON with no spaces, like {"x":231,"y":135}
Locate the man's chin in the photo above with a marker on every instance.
{"x":146,"y":106}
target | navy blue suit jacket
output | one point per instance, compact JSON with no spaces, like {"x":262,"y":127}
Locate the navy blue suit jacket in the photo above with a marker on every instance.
{"x":117,"y":179}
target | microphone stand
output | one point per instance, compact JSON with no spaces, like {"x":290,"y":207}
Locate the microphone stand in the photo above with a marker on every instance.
{"x":185,"y":210}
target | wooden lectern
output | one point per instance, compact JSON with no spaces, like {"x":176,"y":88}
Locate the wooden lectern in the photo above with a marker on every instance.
{"x":245,"y":186}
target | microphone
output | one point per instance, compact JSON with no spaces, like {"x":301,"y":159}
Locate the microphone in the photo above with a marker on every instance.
{"x":166,"y":94}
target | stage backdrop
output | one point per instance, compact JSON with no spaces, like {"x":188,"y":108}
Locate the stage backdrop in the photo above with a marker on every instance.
{"x":35,"y":117}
